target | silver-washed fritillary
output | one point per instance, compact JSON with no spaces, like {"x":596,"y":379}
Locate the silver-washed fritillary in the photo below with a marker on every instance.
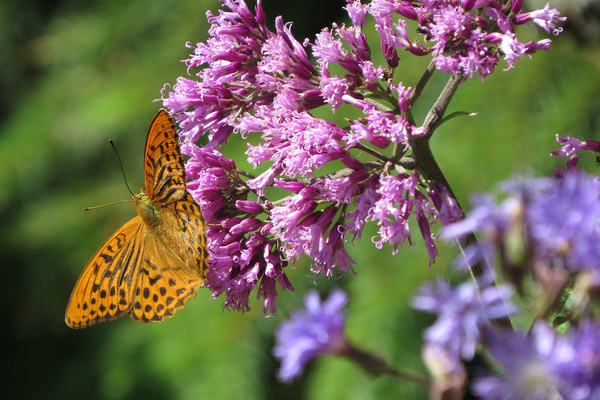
{"x":151,"y":266}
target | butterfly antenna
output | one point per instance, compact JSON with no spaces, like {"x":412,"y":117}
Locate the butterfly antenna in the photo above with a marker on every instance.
{"x":121,"y":165}
{"x":106,"y":205}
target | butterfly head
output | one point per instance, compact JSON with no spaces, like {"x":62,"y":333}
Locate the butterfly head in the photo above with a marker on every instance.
{"x":146,"y":209}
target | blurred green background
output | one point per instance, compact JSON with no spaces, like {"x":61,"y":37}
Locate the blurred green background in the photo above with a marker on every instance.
{"x":74,"y":74}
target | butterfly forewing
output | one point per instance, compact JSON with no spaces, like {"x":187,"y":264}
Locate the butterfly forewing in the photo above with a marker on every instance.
{"x":105,"y":288}
{"x":163,"y":165}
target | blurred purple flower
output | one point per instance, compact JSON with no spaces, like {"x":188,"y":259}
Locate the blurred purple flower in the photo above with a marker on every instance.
{"x":530,"y":362}
{"x":564,"y":222}
{"x":317,"y":330}
{"x":463,"y":314}
{"x":449,"y":376}
{"x":558,"y":220}
{"x":581,"y":370}
{"x":544,"y":364}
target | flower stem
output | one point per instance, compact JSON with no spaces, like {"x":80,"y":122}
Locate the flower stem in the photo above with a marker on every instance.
{"x":372,"y":152}
{"x":377,"y":366}
{"x":414,"y":95}
{"x":430,"y":169}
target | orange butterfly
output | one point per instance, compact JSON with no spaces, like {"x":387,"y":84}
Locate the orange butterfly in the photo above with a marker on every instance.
{"x":153,"y":264}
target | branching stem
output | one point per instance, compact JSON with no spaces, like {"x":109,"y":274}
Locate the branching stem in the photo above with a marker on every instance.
{"x":430,"y":169}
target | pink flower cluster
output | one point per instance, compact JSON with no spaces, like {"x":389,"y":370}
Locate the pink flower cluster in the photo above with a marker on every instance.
{"x":319,"y":183}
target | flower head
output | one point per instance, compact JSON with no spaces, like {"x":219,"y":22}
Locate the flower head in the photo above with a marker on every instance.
{"x":580,"y":368}
{"x":544,"y":364}
{"x":530,"y":362}
{"x":570,"y":145}
{"x":317,"y":330}
{"x":463,"y":314}
{"x":558,"y":221}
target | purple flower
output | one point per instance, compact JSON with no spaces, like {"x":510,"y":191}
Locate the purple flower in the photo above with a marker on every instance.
{"x":460,"y":41}
{"x":398,"y":200}
{"x":242,"y":254}
{"x":333,"y":90}
{"x":357,"y":12}
{"x":449,"y":211}
{"x":330,"y":252}
{"x":564,"y":222}
{"x":512,"y":49}
{"x":295,"y":142}
{"x":530,"y":362}
{"x":317,"y":330}
{"x":282,"y":52}
{"x":581,"y":370}
{"x":286,"y":218}
{"x":463,"y":314}
{"x":544,"y":364}
{"x":558,"y":221}
{"x":545,"y":18}
{"x":330,"y":50}
{"x":364,"y":203}
{"x":570,"y":145}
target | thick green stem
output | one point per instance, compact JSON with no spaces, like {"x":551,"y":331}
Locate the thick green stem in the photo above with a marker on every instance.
{"x":414,"y":95}
{"x":430,"y":169}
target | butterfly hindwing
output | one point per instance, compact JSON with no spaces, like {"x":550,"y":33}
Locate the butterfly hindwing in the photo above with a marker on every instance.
{"x":191,"y":228}
{"x":165,"y":283}
{"x":174,"y":262}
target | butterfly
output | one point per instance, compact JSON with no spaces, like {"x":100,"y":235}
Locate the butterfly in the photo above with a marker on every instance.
{"x":151,"y":266}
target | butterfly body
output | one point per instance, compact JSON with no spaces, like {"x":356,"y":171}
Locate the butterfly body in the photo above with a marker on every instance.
{"x":146,"y":209}
{"x":151,"y":266}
